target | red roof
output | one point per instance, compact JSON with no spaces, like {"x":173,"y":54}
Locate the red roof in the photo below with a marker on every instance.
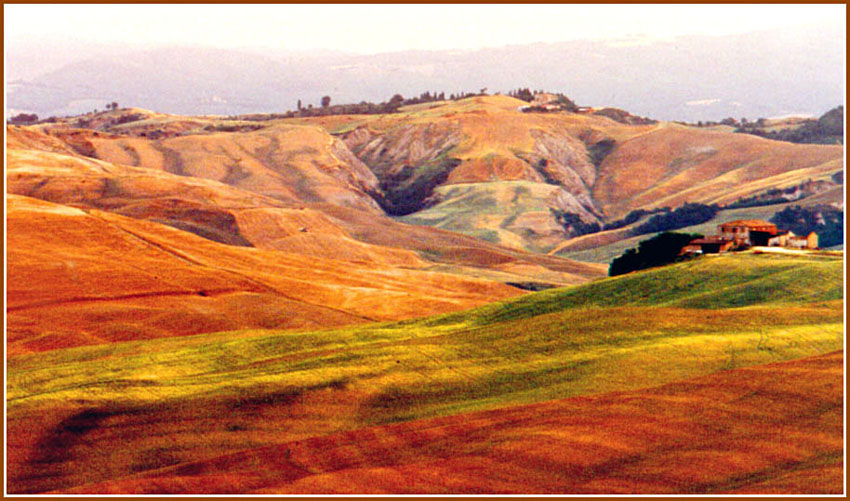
{"x":748,"y":223}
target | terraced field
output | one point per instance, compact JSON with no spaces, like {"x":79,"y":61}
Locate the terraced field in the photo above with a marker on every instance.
{"x":560,"y":391}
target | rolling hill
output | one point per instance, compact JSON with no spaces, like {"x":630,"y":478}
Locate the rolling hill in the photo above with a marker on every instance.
{"x":79,"y":277}
{"x":98,"y":251}
{"x":340,"y":304}
{"x":478,"y":166}
{"x":319,"y":409}
{"x":457,"y":165}
{"x":292,"y":164}
{"x":779,"y":431}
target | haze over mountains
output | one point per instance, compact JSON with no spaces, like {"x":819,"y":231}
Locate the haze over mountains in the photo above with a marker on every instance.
{"x":760,"y":74}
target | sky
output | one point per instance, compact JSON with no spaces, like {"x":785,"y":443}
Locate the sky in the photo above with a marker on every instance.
{"x":377,"y":28}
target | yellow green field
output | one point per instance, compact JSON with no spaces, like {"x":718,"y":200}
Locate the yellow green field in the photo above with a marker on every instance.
{"x":138,"y":406}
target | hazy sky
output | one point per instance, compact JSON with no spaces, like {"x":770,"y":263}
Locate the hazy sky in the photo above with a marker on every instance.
{"x":387,"y":28}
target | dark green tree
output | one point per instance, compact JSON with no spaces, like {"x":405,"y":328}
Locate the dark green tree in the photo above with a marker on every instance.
{"x":657,"y":251}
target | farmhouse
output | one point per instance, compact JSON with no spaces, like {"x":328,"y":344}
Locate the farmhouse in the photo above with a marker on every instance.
{"x":748,"y":232}
{"x":745,"y":233}
{"x":809,"y":241}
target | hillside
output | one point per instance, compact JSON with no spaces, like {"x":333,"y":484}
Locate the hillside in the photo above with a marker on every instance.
{"x":456,"y":165}
{"x":453,"y":165}
{"x":291,"y":164}
{"x":80,"y":277}
{"x":676,"y":164}
{"x":569,"y":446}
{"x":337,"y":222}
{"x":98,"y":251}
{"x":288,"y":395}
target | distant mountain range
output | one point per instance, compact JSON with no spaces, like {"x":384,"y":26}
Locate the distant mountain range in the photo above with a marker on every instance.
{"x":762,"y":74}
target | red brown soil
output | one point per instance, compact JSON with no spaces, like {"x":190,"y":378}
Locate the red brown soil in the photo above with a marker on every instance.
{"x":78,"y":277}
{"x":775,"y":428}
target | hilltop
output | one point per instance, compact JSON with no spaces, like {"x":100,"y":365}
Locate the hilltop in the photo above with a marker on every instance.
{"x":481,"y":166}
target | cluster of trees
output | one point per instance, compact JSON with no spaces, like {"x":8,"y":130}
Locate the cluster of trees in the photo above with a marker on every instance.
{"x":624,"y":117}
{"x":828,"y":129}
{"x":659,"y":250}
{"x":632,"y":217}
{"x":31,"y":118}
{"x":427,"y":97}
{"x":523,"y":94}
{"x":686,"y":215}
{"x":779,"y":196}
{"x":573,"y":224}
{"x":563,"y":102}
{"x":825,"y":220}
{"x":23,"y":119}
{"x":362,"y":108}
{"x":665,"y":219}
{"x":731,"y":122}
{"x":464,"y":95}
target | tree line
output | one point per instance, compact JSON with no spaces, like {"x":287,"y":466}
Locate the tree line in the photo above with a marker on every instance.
{"x":828,"y":129}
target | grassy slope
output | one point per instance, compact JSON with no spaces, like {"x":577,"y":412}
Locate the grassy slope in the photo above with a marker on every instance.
{"x":674,"y":164}
{"x":494,"y":212}
{"x":187,"y":397}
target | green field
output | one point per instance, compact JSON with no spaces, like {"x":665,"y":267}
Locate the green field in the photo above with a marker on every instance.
{"x":627,"y":332}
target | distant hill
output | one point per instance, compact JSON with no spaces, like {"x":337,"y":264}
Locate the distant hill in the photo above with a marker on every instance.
{"x":763,"y":74}
{"x":828,"y":129}
{"x":481,"y":166}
